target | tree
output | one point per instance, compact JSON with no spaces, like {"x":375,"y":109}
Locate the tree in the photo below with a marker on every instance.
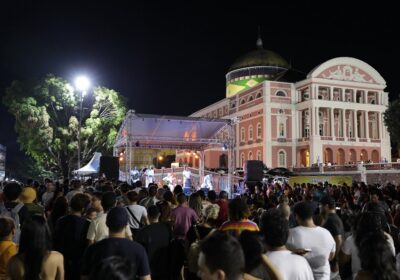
{"x":47,"y":114}
{"x":392,"y":121}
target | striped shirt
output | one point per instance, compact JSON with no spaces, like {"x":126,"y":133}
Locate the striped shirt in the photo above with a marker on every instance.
{"x":235,"y":228}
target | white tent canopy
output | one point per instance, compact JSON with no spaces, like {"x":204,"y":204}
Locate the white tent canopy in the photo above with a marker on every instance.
{"x":92,"y":167}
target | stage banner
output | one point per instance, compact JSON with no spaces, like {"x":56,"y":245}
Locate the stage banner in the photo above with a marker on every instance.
{"x":334,"y":180}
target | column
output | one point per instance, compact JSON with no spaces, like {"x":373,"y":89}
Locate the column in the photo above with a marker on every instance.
{"x":332,"y":123}
{"x":355,"y":128}
{"x":380,"y":124}
{"x":331,"y":93}
{"x":343,"y":95}
{"x":317,"y":121}
{"x":343,"y":123}
{"x":366,"y":125}
{"x":312,"y":122}
{"x":366,"y":97}
{"x":354,"y":96}
{"x":300,"y":124}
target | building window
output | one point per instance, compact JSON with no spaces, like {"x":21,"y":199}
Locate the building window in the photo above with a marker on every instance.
{"x":259,"y":131}
{"x":282,"y":159}
{"x":281,"y":129}
{"x":242,"y":135}
{"x":258,"y":95}
{"x":233,"y":105}
{"x":242,"y":102}
{"x":250,"y":132}
{"x":242,"y":159}
{"x":280,"y":93}
{"x":250,"y":98}
{"x":250,"y":156}
{"x":259,"y":156}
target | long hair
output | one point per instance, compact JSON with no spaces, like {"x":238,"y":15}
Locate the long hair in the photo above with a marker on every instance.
{"x":195,"y":203}
{"x":35,"y":244}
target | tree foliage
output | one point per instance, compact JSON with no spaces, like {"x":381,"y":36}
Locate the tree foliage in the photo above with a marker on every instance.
{"x":392,"y":120}
{"x":47,"y":121}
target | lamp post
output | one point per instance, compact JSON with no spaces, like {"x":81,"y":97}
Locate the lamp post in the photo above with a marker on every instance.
{"x":82,"y":84}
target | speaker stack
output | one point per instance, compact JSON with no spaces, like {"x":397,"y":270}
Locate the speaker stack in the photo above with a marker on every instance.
{"x":109,"y":166}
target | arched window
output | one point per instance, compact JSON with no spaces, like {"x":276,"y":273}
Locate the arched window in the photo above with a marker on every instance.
{"x":233,"y":105}
{"x":250,"y":156}
{"x":250,"y":132}
{"x":242,"y":101}
{"x":281,"y":129}
{"x":259,"y":156}
{"x":241,"y":159}
{"x":250,"y":99}
{"x":280,"y":93}
{"x":258,"y":95}
{"x":259,"y":131}
{"x":282,"y":158}
{"x":242,"y":135}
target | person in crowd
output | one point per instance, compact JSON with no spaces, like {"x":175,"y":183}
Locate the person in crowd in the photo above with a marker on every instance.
{"x":35,"y":259}
{"x":98,"y":229}
{"x":238,"y":219}
{"x":13,"y":208}
{"x":367,"y":223}
{"x":49,"y":194}
{"x":7,"y":247}
{"x":314,"y":242}
{"x":376,"y":258}
{"x":137,"y":213}
{"x":90,"y":214}
{"x":95,"y":202}
{"x":223,"y":207}
{"x":196,"y":205}
{"x":28,"y":197}
{"x":221,"y":257}
{"x":76,"y":188}
{"x":70,"y":235}
{"x":198,"y":233}
{"x":275,"y":229}
{"x":115,"y":268}
{"x":156,"y":239}
{"x":122,"y":200}
{"x":334,"y":225}
{"x":60,"y":209}
{"x":170,"y":198}
{"x":151,"y":199}
{"x":116,"y":245}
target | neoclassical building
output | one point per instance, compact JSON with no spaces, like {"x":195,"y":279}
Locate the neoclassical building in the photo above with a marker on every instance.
{"x":334,"y":114}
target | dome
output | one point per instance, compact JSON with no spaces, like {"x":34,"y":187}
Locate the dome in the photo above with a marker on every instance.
{"x":260,"y":57}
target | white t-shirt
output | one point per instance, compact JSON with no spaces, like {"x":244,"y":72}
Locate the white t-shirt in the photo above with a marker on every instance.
{"x":349,"y":248}
{"x":98,"y":229}
{"x":292,"y":266}
{"x":321,"y":243}
{"x":139,"y":212}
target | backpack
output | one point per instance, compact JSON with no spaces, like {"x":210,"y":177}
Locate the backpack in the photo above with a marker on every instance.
{"x":13,"y":214}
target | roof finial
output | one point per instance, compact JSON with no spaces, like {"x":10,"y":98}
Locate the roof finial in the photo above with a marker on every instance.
{"x":259,"y":40}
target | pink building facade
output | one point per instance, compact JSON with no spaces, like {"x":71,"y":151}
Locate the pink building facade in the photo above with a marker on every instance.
{"x":333,"y":115}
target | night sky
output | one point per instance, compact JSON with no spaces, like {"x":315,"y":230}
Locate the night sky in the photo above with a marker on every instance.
{"x":172,"y":58}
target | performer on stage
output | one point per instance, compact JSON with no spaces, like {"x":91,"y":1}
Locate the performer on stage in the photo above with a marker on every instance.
{"x":149,"y":176}
{"x":169,"y":181}
{"x":135,"y":175}
{"x":186,"y":178}
{"x":207,"y":182}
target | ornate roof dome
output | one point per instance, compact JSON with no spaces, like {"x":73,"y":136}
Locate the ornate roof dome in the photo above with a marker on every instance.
{"x":260,"y":57}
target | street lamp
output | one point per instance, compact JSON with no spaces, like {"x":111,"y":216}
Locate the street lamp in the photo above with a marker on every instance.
{"x":82,"y":84}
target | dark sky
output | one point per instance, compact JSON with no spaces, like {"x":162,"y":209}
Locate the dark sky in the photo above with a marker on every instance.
{"x":172,"y":58}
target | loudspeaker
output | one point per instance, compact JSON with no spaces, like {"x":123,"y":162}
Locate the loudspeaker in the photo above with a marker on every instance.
{"x":253,"y":170}
{"x":109,"y":166}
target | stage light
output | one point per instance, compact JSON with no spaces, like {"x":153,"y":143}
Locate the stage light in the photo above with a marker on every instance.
{"x":225,"y":147}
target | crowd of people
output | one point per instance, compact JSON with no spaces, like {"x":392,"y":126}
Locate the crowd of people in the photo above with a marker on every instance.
{"x":111,"y":230}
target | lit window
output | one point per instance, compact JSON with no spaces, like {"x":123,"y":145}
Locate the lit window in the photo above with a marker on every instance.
{"x":242,"y":134}
{"x":250,"y":156}
{"x":259,"y":156}
{"x":250,"y":132}
{"x":281,"y":129}
{"x":282,"y":159}
{"x":241,"y":159}
{"x":259,"y":131}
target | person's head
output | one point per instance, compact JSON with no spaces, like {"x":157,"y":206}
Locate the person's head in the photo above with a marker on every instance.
{"x":252,"y":249}
{"x":132,"y":196}
{"x":327,"y":204}
{"x":108,"y":201}
{"x":117,"y":219}
{"x":212,"y":196}
{"x":285,"y":208}
{"x":124,"y":187}
{"x":181,"y":198}
{"x":165,"y":211}
{"x":34,"y":245}
{"x":160,"y":193}
{"x":79,"y":202}
{"x":91,"y":213}
{"x":28,"y":195}
{"x":368,"y":223}
{"x":178,"y":190}
{"x":195,"y":203}
{"x":238,"y":210}
{"x":12,"y":191}
{"x":7,"y":228}
{"x":221,"y":257}
{"x":376,"y":256}
{"x":168,"y":196}
{"x":153,"y":213}
{"x":223,"y":195}
{"x":303,"y":210}
{"x":153,"y":190}
{"x":96,"y":201}
{"x":211,"y":213}
{"x":116,"y":268}
{"x":76,"y":184}
{"x":275,"y":228}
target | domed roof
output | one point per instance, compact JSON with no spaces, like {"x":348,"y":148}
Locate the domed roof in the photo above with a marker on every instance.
{"x":260,"y":57}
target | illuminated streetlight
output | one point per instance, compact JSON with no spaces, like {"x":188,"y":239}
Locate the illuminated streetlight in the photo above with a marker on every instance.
{"x":82,"y":83}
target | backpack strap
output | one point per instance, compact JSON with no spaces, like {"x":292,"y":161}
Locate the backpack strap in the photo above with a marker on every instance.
{"x":17,"y":208}
{"x":133,"y":216}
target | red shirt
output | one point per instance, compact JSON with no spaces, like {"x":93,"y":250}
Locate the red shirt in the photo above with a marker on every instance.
{"x":223,"y":212}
